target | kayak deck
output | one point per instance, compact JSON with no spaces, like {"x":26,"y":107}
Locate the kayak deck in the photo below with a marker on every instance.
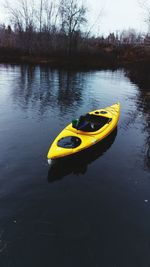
{"x":74,"y":138}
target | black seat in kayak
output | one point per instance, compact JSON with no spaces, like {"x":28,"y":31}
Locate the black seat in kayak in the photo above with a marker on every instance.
{"x":91,"y":123}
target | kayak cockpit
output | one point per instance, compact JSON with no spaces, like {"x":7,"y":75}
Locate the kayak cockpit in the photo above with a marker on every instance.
{"x":69,"y":142}
{"x":90,"y":122}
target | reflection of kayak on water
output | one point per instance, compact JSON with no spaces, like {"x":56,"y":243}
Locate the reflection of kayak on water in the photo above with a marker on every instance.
{"x":85,"y":132}
{"x":77,"y":163}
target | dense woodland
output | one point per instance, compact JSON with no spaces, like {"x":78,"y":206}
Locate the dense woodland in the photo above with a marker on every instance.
{"x":60,"y":33}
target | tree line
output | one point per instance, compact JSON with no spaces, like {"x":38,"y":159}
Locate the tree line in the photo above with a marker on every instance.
{"x":47,"y":28}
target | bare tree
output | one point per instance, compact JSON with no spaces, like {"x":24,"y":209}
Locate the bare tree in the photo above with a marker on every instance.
{"x":50,"y":16}
{"x":41,"y":15}
{"x":145,"y":6}
{"x":23,"y":19}
{"x":129,"y":36}
{"x":22,"y":15}
{"x":45,"y":26}
{"x":72,"y":17}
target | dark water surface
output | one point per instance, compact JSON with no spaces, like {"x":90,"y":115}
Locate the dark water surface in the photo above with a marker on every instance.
{"x":90,"y":211}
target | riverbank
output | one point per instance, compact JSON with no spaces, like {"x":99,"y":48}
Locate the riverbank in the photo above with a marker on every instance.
{"x":103,"y":56}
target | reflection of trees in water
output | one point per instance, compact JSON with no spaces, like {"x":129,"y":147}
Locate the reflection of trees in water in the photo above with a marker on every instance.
{"x":148,"y":153}
{"x":141,"y":77}
{"x":69,"y":89}
{"x":42,"y":88}
{"x":34,"y":88}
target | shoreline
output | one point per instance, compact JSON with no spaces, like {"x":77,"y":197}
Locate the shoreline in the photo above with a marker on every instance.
{"x":102,"y":58}
{"x":69,"y":64}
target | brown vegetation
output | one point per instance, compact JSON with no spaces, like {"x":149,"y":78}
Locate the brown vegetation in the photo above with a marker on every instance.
{"x":53,"y":34}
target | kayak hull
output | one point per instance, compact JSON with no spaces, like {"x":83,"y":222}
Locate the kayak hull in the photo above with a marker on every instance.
{"x":88,"y":139}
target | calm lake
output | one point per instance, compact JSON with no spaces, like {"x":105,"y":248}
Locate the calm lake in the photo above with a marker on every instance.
{"x":91,"y":211}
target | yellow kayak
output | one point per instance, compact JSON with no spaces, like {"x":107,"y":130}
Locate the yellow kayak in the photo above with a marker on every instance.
{"x":85,"y":132}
